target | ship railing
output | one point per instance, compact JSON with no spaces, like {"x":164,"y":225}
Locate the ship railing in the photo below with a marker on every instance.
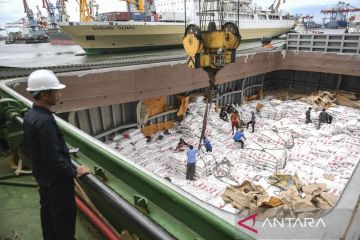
{"x":337,"y":43}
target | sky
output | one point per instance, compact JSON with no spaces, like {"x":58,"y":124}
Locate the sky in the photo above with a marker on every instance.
{"x":312,"y":7}
{"x":12,"y":10}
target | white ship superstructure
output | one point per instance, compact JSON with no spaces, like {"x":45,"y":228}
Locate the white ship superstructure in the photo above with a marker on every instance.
{"x":239,"y":12}
{"x":110,"y":36}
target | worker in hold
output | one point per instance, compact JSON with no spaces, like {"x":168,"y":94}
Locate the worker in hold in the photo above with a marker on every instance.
{"x":258,"y":107}
{"x":183,"y":109}
{"x":230,"y":109}
{"x":308,"y":120}
{"x":239,"y":136}
{"x":191,"y":163}
{"x":223,"y":114}
{"x":52,"y":168}
{"x":323,"y":117}
{"x":235,"y":119}
{"x":329,"y":121}
{"x":180,"y":146}
{"x":207,"y":144}
{"x":252,"y":122}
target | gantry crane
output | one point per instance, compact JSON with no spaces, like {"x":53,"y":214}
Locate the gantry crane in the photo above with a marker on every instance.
{"x":277,"y":6}
{"x":17,"y":24}
{"x":51,"y":12}
{"x":211,"y":45}
{"x":62,"y":15}
{"x":32,"y":23}
{"x":42,"y":21}
{"x":338,"y":15}
{"x":93,"y":9}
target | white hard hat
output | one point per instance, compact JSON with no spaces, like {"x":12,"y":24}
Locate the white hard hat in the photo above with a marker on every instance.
{"x":43,"y":79}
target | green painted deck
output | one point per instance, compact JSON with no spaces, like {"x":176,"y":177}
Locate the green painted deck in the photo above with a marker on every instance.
{"x":20,"y":210}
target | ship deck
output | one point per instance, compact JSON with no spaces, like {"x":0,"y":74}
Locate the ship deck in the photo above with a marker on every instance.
{"x":20,"y":207}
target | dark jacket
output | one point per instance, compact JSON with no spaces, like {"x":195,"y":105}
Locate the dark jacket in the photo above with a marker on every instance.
{"x":308,"y":114}
{"x":45,"y":146}
{"x":253,"y":118}
{"x":323,"y":116}
{"x":207,"y":145}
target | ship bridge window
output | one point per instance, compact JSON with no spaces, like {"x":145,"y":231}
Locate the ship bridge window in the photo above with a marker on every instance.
{"x":90,"y":37}
{"x":246,"y":16}
{"x":262,"y":17}
{"x":287,"y":17}
{"x":274,"y":17}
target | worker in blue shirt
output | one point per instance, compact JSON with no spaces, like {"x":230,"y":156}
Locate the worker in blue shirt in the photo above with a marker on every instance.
{"x":207,"y":144}
{"x":238,"y":137}
{"x":191,"y":162}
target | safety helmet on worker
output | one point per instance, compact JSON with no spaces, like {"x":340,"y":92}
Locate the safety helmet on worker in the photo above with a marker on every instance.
{"x":41,"y":80}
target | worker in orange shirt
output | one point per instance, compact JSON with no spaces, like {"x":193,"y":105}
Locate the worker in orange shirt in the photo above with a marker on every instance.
{"x":258,"y":107}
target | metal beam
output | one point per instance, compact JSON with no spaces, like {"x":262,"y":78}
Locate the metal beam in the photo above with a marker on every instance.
{"x":339,"y":81}
{"x":125,"y":126}
{"x":127,"y":84}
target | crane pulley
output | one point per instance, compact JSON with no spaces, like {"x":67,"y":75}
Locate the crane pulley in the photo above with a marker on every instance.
{"x":211,"y":49}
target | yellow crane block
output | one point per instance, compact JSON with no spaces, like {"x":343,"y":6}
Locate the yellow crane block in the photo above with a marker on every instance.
{"x":211,"y":49}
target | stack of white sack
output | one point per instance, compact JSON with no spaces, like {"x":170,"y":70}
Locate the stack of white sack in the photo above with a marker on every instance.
{"x":281,"y":139}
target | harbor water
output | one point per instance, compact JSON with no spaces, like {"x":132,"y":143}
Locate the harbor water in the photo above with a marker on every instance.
{"x":47,"y":54}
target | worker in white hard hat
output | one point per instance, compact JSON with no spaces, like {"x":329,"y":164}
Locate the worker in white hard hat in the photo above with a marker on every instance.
{"x":45,"y":146}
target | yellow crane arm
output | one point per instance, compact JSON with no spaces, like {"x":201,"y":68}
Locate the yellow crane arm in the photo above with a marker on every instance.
{"x":138,"y":3}
{"x":85,"y":15}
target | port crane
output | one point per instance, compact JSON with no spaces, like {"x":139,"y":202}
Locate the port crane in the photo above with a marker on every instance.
{"x":211,"y":45}
{"x":62,"y":15}
{"x":338,"y":15}
{"x":88,"y":10}
{"x":93,"y":9}
{"x":277,"y":6}
{"x":31,"y":21}
{"x":20,"y":24}
{"x":84,"y":11}
{"x":139,"y":4}
{"x":51,"y":12}
{"x":42,"y":21}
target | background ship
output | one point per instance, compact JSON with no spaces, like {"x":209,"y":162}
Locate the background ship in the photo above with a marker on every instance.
{"x":30,"y":29}
{"x":121,"y":32}
{"x":19,"y":38}
{"x":58,"y":37}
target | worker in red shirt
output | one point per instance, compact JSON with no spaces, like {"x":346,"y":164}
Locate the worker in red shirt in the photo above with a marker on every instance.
{"x":235,"y":119}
